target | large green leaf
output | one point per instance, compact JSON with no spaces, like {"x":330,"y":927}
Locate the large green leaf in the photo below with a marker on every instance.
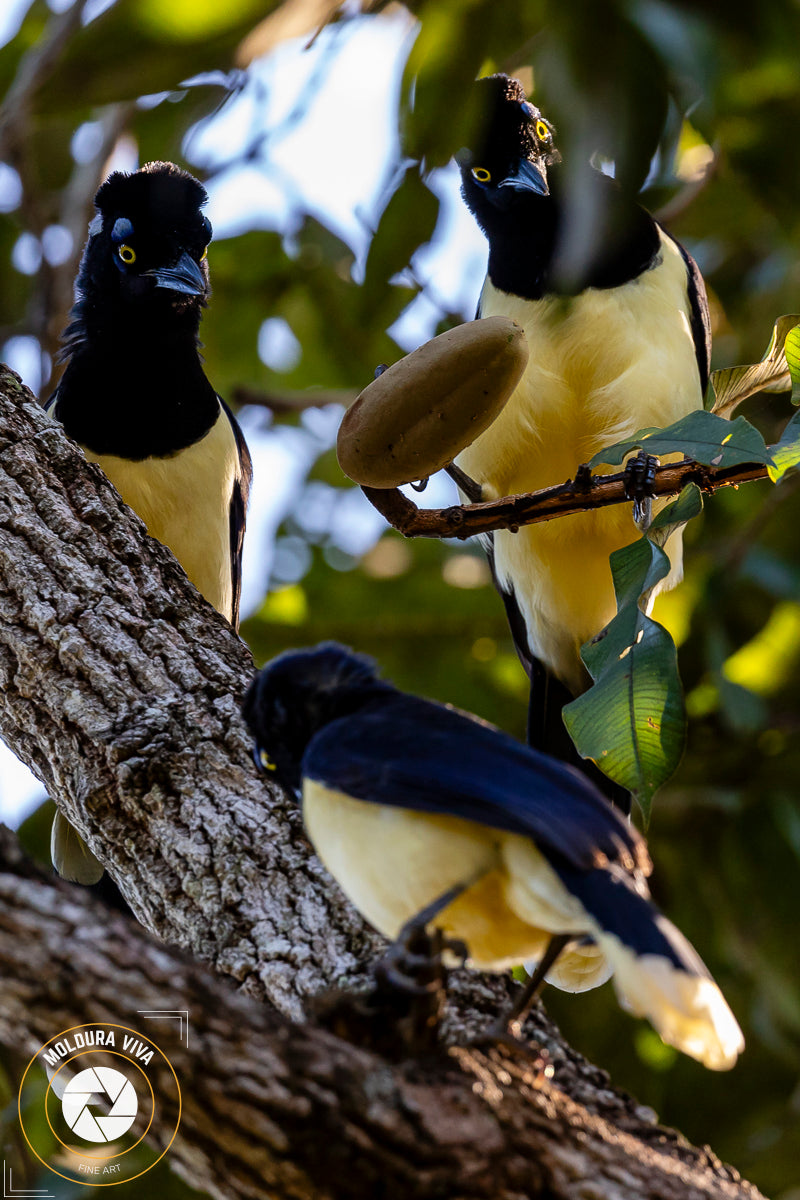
{"x":407,"y":222}
{"x":731,"y":385}
{"x":632,"y":721}
{"x":609,"y":85}
{"x":701,"y":436}
{"x":791,"y":351}
{"x":786,"y":454}
{"x":139,"y":47}
{"x":438,"y":97}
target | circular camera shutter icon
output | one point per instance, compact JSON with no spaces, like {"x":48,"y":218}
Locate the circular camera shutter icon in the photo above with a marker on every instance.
{"x":93,"y":1087}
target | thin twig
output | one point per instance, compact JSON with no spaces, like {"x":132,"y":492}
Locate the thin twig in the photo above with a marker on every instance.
{"x":292,"y":402}
{"x":581,"y":494}
{"x":36,"y":65}
{"x":54,"y":285}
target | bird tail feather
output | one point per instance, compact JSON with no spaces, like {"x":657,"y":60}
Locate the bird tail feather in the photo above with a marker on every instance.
{"x":657,"y":972}
{"x":687,"y":1010}
{"x":72,"y":858}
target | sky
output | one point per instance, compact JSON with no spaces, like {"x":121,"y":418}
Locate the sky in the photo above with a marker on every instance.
{"x":354,"y":70}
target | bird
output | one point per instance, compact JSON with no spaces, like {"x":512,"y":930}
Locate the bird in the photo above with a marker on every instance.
{"x":415,"y":806}
{"x":135,"y":397}
{"x":618,"y":333}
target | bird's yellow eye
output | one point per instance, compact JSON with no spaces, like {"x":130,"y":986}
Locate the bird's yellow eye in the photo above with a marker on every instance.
{"x":127,"y":254}
{"x":542,"y":132}
{"x":481,"y":174}
{"x":266,"y":762}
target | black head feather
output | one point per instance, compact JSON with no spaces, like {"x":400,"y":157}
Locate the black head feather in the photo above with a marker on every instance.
{"x":134,"y":383}
{"x":547,"y":234}
{"x":300,"y":692}
{"x":159,"y":197}
{"x":513,"y":132}
{"x":147,"y":223}
{"x":512,"y":128}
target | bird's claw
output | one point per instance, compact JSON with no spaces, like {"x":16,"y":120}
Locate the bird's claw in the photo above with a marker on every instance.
{"x":415,"y":975}
{"x":583,"y":479}
{"x":638,"y":479}
{"x":413,"y":964}
{"x":411,"y":986}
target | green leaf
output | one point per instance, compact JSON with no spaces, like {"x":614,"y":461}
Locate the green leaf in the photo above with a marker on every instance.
{"x":688,"y":505}
{"x":786,"y":452}
{"x":632,"y":722}
{"x":139,"y":47}
{"x":729,"y":387}
{"x":439,"y":100}
{"x":792,"y":352}
{"x":702,"y":436}
{"x":408,"y":222}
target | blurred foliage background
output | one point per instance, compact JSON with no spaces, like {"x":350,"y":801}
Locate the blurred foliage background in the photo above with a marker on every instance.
{"x":699,"y":103}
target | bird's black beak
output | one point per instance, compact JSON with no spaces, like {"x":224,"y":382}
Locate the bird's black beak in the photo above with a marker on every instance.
{"x":528,"y":177}
{"x":185,"y":276}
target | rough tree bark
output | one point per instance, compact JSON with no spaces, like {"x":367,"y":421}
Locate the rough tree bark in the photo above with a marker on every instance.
{"x":121,"y":689}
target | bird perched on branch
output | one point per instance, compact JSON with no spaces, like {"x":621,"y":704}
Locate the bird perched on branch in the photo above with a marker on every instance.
{"x":135,"y":397}
{"x":412,"y":806}
{"x":618,"y":336}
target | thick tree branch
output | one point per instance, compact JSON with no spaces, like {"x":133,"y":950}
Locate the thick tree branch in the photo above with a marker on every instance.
{"x":574,"y":496}
{"x":121,"y":688}
{"x":290,"y":1111}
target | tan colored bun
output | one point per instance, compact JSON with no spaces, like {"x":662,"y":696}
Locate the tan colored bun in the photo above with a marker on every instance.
{"x":420,"y":413}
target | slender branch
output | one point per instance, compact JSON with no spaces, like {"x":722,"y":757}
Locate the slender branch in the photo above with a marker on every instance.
{"x":33,"y":70}
{"x":576,"y":495}
{"x":292,"y":402}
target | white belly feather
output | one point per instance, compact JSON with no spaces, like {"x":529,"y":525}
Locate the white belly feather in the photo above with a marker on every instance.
{"x":184,"y":501}
{"x":602,"y":366}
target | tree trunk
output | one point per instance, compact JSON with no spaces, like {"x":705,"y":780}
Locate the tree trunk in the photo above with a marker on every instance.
{"x":121,"y":689}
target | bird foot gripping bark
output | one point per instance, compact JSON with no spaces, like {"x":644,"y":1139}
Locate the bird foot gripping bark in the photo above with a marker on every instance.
{"x":401,"y":1015}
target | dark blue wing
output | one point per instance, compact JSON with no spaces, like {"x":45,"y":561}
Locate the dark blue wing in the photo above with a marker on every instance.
{"x":700,"y":319}
{"x":238,"y":510}
{"x":411,"y":753}
{"x":621,"y":906}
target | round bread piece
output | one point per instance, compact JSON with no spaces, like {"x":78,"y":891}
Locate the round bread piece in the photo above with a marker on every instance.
{"x":420,"y":413}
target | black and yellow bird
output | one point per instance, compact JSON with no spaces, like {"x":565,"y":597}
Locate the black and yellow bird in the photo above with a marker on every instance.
{"x":135,"y":397}
{"x":618,"y":334}
{"x":408,"y":801}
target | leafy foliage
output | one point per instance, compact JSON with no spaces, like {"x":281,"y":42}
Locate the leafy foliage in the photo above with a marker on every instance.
{"x":731,"y":385}
{"x":699,"y":435}
{"x":632,"y":721}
